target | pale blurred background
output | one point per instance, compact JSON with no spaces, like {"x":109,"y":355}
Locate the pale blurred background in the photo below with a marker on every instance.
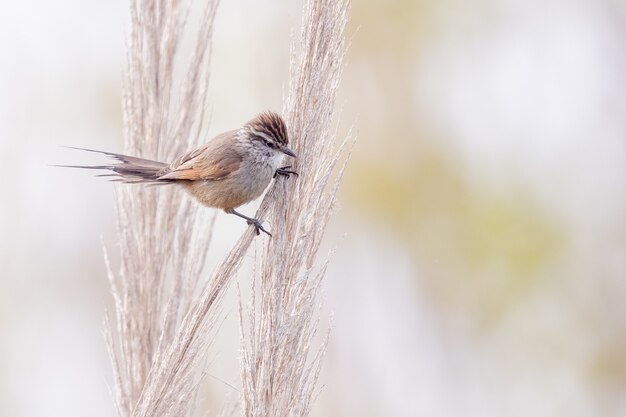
{"x":480,"y":237}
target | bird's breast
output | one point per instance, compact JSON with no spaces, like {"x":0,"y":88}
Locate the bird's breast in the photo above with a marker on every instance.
{"x":241,"y":187}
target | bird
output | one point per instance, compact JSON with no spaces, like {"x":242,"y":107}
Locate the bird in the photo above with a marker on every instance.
{"x":230,"y":170}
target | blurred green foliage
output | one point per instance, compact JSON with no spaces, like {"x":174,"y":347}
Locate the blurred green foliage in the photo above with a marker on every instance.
{"x":479,"y":247}
{"x":482,"y":250}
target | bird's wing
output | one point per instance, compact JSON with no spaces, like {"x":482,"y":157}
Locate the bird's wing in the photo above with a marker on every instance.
{"x":214,"y":161}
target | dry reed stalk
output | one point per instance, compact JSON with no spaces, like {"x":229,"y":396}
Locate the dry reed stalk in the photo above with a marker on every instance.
{"x":163,"y":241}
{"x":279,"y":367}
{"x":156,"y":353}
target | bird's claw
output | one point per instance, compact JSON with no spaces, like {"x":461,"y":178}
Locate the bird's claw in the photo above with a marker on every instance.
{"x":258,"y":227}
{"x":285,"y":171}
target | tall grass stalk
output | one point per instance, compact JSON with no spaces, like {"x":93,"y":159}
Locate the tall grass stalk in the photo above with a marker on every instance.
{"x":162,"y":238}
{"x":159,"y":338}
{"x":279,"y":364}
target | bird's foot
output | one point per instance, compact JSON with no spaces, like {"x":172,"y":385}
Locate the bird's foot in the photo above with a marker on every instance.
{"x":285,"y":171}
{"x":250,"y":220}
{"x":258,"y":227}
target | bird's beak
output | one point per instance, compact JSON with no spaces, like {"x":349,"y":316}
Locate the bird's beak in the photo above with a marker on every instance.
{"x":288,"y":151}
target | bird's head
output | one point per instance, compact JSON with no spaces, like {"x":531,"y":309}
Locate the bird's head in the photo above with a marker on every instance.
{"x":268,"y":133}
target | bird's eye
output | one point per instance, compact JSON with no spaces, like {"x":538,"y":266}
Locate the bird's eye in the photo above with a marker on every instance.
{"x":270,"y":144}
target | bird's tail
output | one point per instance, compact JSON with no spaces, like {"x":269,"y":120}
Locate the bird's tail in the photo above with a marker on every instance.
{"x":128,"y":169}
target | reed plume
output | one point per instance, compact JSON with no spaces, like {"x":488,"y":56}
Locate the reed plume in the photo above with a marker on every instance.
{"x":161,"y":331}
{"x":162,"y":237}
{"x":279,"y":366}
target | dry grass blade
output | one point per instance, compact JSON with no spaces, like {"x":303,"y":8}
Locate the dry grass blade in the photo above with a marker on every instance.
{"x":156,"y":355}
{"x":279,"y":370}
{"x":162,"y":238}
{"x":300,"y":211}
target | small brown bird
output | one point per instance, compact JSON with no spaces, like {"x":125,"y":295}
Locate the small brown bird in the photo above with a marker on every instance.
{"x":231,"y":170}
